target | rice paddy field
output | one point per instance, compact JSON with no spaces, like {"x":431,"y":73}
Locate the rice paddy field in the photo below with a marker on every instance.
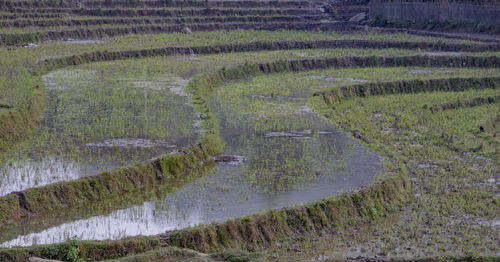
{"x":242,"y":131}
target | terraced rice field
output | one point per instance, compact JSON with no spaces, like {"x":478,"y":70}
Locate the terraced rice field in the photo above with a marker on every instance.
{"x":163,"y":131}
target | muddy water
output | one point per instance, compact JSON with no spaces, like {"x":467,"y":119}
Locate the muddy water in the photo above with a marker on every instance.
{"x":292,"y":157}
{"x":96,"y":120}
{"x":279,"y":152}
{"x":233,"y":190}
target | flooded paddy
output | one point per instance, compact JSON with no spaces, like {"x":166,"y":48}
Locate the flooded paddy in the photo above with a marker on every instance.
{"x":258,"y":171}
{"x":104,"y":115}
{"x":96,"y":120}
{"x":283,"y":153}
{"x":229,"y":191}
{"x":83,"y":41}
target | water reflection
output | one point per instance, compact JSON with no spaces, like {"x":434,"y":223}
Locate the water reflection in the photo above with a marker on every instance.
{"x":327,"y":163}
{"x":284,"y":154}
{"x":95,"y":120}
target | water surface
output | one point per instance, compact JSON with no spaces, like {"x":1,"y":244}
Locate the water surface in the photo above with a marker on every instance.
{"x":284,"y":154}
{"x":96,"y":120}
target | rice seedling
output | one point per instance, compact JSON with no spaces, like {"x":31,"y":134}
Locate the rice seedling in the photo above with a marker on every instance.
{"x":326,"y":154}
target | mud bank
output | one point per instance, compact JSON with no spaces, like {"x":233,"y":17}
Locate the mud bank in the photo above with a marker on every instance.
{"x":43,"y":201}
{"x":261,"y":230}
{"x":409,"y":87}
{"x":52,"y":64}
{"x":467,"y":103}
{"x":84,"y":33}
{"x":145,"y":21}
{"x":6,"y":5}
{"x":248,"y":233}
{"x":449,"y":35}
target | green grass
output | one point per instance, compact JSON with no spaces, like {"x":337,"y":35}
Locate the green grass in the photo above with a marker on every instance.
{"x":455,"y":197}
{"x":451,"y":155}
{"x":97,"y":102}
{"x":267,"y":103}
{"x":17,"y":83}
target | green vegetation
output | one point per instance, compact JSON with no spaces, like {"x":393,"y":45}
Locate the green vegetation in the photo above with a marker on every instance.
{"x":443,"y":149}
{"x":85,"y":250}
{"x":113,"y":107}
{"x":368,"y":211}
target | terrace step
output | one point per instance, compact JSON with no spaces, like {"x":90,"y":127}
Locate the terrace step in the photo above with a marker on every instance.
{"x":195,"y":12}
{"x":30,"y":16}
{"x":33,"y":13}
{"x":154,"y":20}
{"x":198,"y":3}
{"x":78,"y":10}
{"x":489,"y":38}
{"x":8,"y":5}
{"x":85,"y":33}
